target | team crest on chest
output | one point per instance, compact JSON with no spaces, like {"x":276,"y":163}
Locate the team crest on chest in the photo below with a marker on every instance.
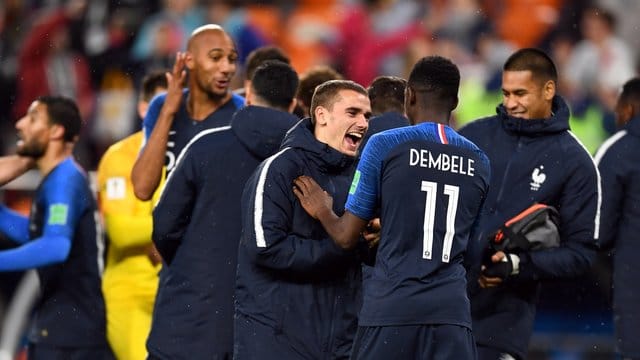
{"x":537,"y":178}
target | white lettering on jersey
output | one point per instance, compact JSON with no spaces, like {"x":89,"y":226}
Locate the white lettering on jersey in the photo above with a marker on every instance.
{"x":444,"y":162}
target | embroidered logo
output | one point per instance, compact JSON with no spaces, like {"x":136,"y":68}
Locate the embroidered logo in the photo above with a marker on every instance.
{"x":537,"y":178}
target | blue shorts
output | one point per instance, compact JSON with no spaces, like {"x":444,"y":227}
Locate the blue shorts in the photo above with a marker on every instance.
{"x":414,"y":342}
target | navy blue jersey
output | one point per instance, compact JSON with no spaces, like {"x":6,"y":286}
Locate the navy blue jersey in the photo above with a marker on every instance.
{"x":619,"y":162}
{"x":197,"y":230}
{"x":70,"y":312}
{"x":429,"y":184}
{"x":184,"y":127}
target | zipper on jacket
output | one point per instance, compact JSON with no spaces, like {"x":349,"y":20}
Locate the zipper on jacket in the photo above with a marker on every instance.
{"x":506,"y":171}
{"x":329,"y":346}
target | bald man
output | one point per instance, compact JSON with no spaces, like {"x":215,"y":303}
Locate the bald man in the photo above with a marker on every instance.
{"x":176,"y":117}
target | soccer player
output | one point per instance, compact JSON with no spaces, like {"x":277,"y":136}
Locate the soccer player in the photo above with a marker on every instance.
{"x":619,"y":162}
{"x":297,"y":293}
{"x":535,"y":159}
{"x":386,"y":94}
{"x":256,"y":58}
{"x":130,"y":277}
{"x":428,"y":183}
{"x":61,"y":238}
{"x":197,"y":221}
{"x":173,"y":119}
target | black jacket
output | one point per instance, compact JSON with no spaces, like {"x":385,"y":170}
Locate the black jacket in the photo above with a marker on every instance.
{"x":197,"y":229}
{"x":532,"y":161}
{"x":291,"y":277}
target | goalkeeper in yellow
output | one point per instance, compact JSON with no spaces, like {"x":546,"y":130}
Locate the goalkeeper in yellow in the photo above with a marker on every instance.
{"x":130,"y":278}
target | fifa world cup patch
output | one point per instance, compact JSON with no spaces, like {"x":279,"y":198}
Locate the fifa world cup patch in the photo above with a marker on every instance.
{"x":58,"y":214}
{"x":354,"y":183}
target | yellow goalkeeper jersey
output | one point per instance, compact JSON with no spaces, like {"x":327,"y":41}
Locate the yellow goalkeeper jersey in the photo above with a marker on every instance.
{"x":130,"y":279}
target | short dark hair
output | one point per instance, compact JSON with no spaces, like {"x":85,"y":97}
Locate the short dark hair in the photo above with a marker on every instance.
{"x":631,"y":93}
{"x":386,"y":93}
{"x":262,"y":54}
{"x":313,"y":77}
{"x":151,"y":82}
{"x":276,"y":83}
{"x":326,"y":94}
{"x":436,"y":75}
{"x":535,"y":60}
{"x":63,"y":111}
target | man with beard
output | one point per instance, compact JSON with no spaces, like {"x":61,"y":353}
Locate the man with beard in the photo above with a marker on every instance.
{"x":174,"y":118}
{"x":61,"y":238}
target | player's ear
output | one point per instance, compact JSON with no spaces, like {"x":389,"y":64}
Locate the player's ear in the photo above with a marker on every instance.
{"x":56,"y":131}
{"x":320,"y":113}
{"x":189,"y":61}
{"x":293,"y":104}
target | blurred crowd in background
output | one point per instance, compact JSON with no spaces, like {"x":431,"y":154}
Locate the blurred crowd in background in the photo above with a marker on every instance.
{"x":98,"y":51}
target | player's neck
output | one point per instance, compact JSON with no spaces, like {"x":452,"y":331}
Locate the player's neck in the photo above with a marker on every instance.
{"x":200,"y":105}
{"x":55,"y":154}
{"x":435,"y":117}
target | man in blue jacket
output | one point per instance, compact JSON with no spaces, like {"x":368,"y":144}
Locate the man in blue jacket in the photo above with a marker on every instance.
{"x":196,"y":224}
{"x":534,"y":159}
{"x":619,"y":162}
{"x":297,"y":293}
{"x":61,"y":238}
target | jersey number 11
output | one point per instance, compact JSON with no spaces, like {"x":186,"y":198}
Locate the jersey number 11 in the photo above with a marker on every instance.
{"x":452,"y":192}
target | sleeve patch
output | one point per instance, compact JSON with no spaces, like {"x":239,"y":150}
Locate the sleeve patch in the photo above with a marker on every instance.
{"x":354,"y":183}
{"x":58,"y":214}
{"x":115,"y":188}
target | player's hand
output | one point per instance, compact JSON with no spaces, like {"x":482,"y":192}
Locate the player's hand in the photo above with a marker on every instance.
{"x":313,"y":199}
{"x":494,"y":273}
{"x":372,"y":233}
{"x":175,"y":84}
{"x":154,"y":255}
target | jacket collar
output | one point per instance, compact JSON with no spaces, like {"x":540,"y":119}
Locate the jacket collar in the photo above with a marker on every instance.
{"x":558,"y":122}
{"x":322,"y":155}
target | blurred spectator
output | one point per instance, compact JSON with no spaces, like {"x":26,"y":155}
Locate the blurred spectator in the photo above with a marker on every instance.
{"x":166,"y":32}
{"x":359,"y":49}
{"x":48,"y":65}
{"x":523,"y":23}
{"x":599,"y":64}
{"x":308,"y":27}
{"x":235,"y":20}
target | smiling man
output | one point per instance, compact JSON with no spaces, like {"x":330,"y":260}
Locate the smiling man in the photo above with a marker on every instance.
{"x":174,"y":118}
{"x":535,"y":159}
{"x":297,"y":292}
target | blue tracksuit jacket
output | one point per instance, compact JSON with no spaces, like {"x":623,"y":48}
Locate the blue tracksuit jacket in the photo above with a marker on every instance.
{"x":532,"y":161}
{"x":197,"y":229}
{"x":619,"y":162}
{"x":293,"y":282}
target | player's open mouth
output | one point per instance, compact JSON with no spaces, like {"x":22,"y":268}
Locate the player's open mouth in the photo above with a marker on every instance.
{"x":353,"y":139}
